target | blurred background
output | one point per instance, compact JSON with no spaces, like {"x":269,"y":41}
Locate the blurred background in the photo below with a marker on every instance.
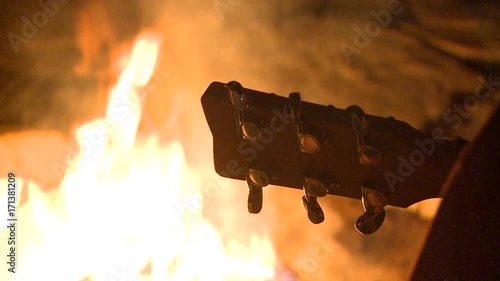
{"x":61,"y":60}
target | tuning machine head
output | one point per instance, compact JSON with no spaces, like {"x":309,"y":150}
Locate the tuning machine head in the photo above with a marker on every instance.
{"x":313,"y":189}
{"x":248,"y":130}
{"x":294,"y":101}
{"x":367,"y":154}
{"x":238,"y":98}
{"x":313,"y":209}
{"x":368,"y":224}
{"x":307,"y":142}
{"x":373,"y":202}
{"x":256,"y":180}
{"x":371,"y":198}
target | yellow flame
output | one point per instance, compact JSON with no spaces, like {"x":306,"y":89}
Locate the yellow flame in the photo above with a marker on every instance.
{"x":121,"y":208}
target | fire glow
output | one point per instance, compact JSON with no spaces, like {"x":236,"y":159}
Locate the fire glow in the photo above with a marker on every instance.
{"x":118,"y":212}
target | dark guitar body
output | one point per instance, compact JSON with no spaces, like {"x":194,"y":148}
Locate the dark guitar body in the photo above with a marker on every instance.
{"x":407,"y":173}
{"x":463,"y":243}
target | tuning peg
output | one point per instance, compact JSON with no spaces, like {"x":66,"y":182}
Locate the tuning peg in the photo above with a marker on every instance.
{"x":256,"y":180}
{"x":238,"y":98}
{"x":295,"y":104}
{"x":368,"y":224}
{"x":248,"y":130}
{"x":313,"y":209}
{"x":358,"y":118}
{"x":314,"y":187}
{"x":367,"y":154}
{"x":374,"y":202}
{"x":307,"y":142}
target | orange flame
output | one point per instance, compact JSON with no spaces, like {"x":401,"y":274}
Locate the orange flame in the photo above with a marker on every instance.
{"x":118,"y":214}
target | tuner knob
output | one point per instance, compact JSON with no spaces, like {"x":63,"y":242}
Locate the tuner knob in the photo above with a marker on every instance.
{"x":371,"y":198}
{"x":367,"y":154}
{"x":238,"y":98}
{"x":295,"y":104}
{"x":368,"y":224}
{"x":256,"y":180}
{"x":248,"y":130}
{"x":235,"y":85}
{"x":357,"y":111}
{"x":373,"y":202}
{"x":312,"y":189}
{"x":307,"y":142}
{"x":316,"y":188}
{"x":313,"y":209}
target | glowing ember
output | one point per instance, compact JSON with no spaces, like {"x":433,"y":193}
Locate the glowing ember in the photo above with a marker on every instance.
{"x":119,"y":213}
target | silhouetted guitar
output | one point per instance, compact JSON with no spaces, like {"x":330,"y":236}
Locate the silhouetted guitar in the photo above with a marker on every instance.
{"x":268,"y":139}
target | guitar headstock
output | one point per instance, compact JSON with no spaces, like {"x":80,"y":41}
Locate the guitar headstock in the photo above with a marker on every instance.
{"x":266,"y":139}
